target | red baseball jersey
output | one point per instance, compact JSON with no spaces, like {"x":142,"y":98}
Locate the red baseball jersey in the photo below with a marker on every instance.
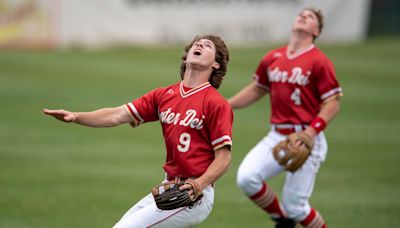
{"x":297,"y":84}
{"x":195,"y":122}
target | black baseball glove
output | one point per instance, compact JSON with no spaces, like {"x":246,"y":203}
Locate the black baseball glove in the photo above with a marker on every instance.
{"x":168,"y":196}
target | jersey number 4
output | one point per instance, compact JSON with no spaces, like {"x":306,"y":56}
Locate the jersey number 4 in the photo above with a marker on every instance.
{"x":184,"y":142}
{"x":295,"y":97}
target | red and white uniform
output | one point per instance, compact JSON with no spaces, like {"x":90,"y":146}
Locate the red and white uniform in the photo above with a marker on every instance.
{"x":195,"y":122}
{"x":297,"y":85}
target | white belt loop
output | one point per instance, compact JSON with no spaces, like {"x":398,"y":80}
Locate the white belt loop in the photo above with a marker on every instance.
{"x":298,"y":127}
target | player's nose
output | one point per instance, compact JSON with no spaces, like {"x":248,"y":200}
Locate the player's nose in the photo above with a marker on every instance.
{"x":199,"y":45}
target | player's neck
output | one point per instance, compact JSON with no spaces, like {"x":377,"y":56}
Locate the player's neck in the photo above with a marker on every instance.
{"x":299,"y":42}
{"x":194,"y":78}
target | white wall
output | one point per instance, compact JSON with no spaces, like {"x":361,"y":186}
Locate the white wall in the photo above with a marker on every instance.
{"x":240,"y":22}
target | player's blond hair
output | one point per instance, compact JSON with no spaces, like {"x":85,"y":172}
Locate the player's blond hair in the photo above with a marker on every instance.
{"x":320,"y":18}
{"x":221,"y":56}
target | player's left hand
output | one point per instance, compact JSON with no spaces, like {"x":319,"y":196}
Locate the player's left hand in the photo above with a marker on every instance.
{"x":193,"y":187}
{"x":310,"y":132}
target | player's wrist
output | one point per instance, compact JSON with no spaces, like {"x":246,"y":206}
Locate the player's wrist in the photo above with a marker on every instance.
{"x":310,"y":132}
{"x":318,"y":124}
{"x":201,"y":183}
{"x":72,"y":117}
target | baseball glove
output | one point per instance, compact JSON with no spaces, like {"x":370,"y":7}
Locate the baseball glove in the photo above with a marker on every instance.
{"x":290,"y":153}
{"x":169,"y":197}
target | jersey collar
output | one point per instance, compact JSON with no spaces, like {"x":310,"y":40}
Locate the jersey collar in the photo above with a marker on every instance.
{"x":309,"y":48}
{"x":192,"y":91}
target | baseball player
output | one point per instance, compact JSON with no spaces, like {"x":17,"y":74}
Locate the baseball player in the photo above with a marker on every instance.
{"x":304,"y":98}
{"x":196,"y":124}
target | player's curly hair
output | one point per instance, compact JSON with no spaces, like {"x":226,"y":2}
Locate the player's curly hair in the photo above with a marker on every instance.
{"x":221,"y":56}
{"x":320,"y":18}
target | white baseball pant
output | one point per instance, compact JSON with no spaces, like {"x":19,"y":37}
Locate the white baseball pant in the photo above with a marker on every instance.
{"x":146,"y":214}
{"x":259,"y":165}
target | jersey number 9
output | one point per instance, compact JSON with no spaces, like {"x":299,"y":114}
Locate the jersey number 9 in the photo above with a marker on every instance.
{"x":184,"y":142}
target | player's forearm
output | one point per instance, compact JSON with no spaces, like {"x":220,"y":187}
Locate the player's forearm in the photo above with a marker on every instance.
{"x":105,"y":117}
{"x":246,"y":96}
{"x":328,"y":111}
{"x":217,"y":168}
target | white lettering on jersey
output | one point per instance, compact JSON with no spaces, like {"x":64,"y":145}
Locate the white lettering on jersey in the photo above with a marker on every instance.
{"x":297,"y":76}
{"x":189,"y":120}
{"x":169,"y":117}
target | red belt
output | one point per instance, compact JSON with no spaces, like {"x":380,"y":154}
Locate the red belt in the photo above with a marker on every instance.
{"x":285,"y":131}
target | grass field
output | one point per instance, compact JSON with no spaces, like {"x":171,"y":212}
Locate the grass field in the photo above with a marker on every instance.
{"x":63,"y":175}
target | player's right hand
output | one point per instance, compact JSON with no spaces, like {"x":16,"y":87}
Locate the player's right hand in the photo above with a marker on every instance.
{"x":60,"y":114}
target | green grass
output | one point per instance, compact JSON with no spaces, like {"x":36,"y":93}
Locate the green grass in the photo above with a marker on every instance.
{"x":63,"y":175}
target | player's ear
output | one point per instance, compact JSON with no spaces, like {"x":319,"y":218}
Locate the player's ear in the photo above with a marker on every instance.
{"x":316,"y":33}
{"x":216,"y":65}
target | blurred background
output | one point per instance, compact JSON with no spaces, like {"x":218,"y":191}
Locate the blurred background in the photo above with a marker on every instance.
{"x":38,"y":24}
{"x":88,"y":54}
{"x":99,"y":23}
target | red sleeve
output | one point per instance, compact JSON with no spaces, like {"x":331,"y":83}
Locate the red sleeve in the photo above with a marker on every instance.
{"x":327,"y":83}
{"x":220,"y":124}
{"x":144,"y":109}
{"x":261,"y":74}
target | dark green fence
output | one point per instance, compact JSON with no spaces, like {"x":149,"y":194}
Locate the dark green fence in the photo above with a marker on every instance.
{"x":385,"y":18}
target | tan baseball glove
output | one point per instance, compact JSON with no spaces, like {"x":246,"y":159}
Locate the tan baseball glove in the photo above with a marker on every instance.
{"x":168,"y":196}
{"x":293,"y":151}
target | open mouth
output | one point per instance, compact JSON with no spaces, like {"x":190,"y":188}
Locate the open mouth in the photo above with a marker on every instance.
{"x":197,"y":52}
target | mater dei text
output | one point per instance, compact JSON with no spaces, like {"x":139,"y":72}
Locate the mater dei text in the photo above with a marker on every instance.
{"x":297,"y":76}
{"x":190,"y":119}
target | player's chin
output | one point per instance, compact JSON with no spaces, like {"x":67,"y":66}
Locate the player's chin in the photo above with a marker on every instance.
{"x":194,"y":60}
{"x":302,"y":28}
{"x":198,"y":64}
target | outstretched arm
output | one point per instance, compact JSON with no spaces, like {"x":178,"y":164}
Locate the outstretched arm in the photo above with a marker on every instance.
{"x":105,"y":117}
{"x":247,"y":96}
